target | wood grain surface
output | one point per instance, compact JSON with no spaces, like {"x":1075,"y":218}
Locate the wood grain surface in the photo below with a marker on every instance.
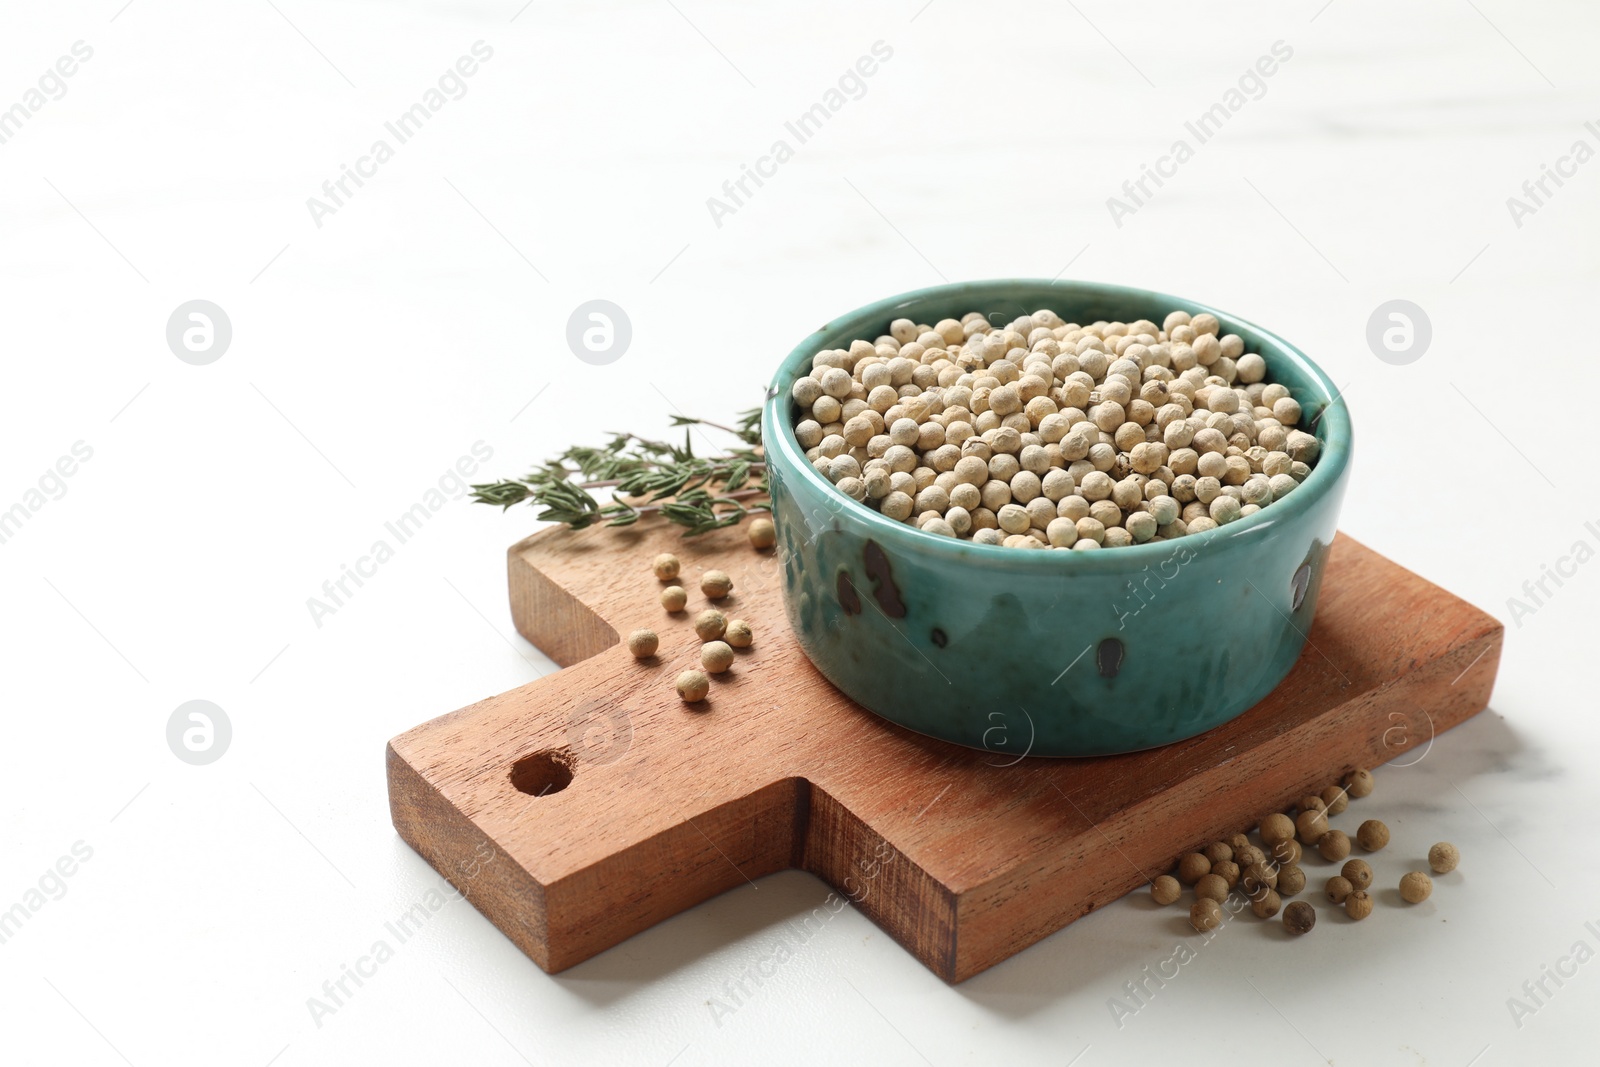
{"x":634,"y":806}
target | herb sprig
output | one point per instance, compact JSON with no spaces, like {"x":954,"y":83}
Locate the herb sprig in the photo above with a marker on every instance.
{"x":699,"y":493}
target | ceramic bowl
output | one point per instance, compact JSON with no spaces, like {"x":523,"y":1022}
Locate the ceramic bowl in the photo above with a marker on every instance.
{"x":1051,"y":653}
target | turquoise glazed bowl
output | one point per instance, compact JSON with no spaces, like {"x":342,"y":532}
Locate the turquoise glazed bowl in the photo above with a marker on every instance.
{"x":1051,"y":653}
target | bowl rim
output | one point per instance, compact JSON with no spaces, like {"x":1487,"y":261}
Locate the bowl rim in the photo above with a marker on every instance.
{"x":781,"y":446}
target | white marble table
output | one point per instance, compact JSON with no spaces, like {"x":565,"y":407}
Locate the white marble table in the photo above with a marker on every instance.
{"x":381,"y":336}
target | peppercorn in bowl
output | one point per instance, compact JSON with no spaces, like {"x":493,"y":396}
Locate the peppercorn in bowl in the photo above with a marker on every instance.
{"x":1132,"y":565}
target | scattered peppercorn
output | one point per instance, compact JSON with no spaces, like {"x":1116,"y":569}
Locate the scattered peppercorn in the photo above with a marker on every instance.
{"x":1206,"y":914}
{"x":716,"y":585}
{"x":1358,"y":873}
{"x":693,"y":686}
{"x":643,"y":643}
{"x":1266,"y":904}
{"x":1257,"y":875}
{"x":1192,"y":867}
{"x":1336,"y":799}
{"x":739,"y":634}
{"x":710,"y":625}
{"x":1311,"y":825}
{"x":666,"y":566}
{"x":1212,"y":886}
{"x":1334,"y":845}
{"x":762,"y":534}
{"x":1276,"y":827}
{"x":1233,"y":862}
{"x":674,"y":599}
{"x":716,"y":656}
{"x":1415,"y":887}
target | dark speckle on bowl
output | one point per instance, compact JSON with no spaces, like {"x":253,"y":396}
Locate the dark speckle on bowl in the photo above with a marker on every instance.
{"x":940,"y":638}
{"x":1301,"y":581}
{"x":1108,"y":657}
{"x":883,"y":587}
{"x":849,"y":599}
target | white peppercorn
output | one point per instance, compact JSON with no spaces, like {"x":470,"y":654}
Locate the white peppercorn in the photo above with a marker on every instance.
{"x":1358,"y":873}
{"x":1286,"y":852}
{"x":1224,"y":509}
{"x":1212,"y":886}
{"x":762,"y":534}
{"x":1205,"y":915}
{"x":1359,"y":783}
{"x":642,"y":643}
{"x":1257,"y":875}
{"x":1266,"y":903}
{"x":897,"y":506}
{"x":1192,"y":867}
{"x":1333,"y":845}
{"x":1251,"y":368}
{"x":1415,"y":887}
{"x":1140,"y":526}
{"x":716,"y":584}
{"x":1013,"y":518}
{"x":1299,"y":917}
{"x":693,"y":686}
{"x":1228,"y":871}
{"x":1310,"y":826}
{"x":716,"y":656}
{"x":1105,"y":512}
{"x":710,"y":625}
{"x":1336,"y":799}
{"x":1276,"y":827}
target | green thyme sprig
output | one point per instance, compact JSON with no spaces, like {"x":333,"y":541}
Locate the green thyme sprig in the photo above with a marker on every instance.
{"x":646,"y":477}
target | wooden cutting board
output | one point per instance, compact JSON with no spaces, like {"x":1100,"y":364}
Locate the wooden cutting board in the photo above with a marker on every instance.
{"x":590,"y":804}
